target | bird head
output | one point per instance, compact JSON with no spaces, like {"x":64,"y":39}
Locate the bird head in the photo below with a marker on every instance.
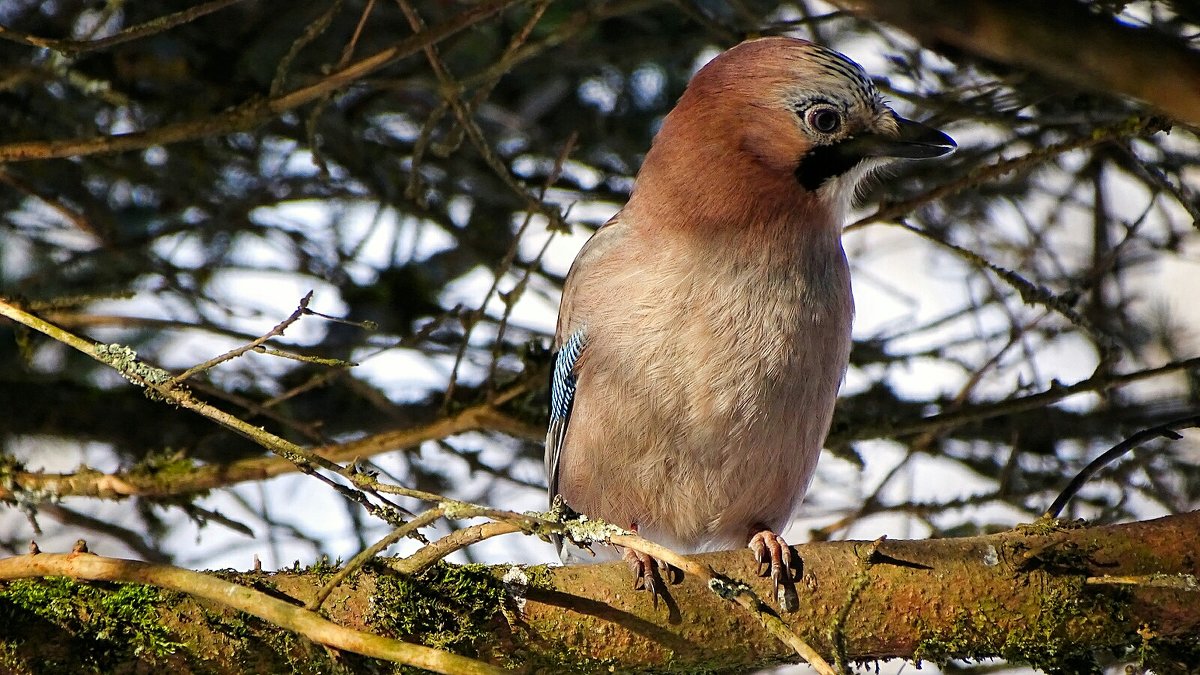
{"x":780,"y":120}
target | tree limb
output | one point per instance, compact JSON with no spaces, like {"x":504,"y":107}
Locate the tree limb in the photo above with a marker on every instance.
{"x":1062,"y":39}
{"x":1049,"y":594}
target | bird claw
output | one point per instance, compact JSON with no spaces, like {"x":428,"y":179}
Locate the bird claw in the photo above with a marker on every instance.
{"x":774,"y":557}
{"x":649,"y":573}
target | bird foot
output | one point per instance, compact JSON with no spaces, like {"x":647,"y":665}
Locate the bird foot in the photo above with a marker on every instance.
{"x":774,"y":557}
{"x":649,"y":573}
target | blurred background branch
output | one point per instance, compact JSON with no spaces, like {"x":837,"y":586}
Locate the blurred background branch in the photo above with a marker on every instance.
{"x":1073,"y":41}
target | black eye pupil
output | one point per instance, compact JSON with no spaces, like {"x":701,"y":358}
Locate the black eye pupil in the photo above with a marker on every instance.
{"x":825,"y":121}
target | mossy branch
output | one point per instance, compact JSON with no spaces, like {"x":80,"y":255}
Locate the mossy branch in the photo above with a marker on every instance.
{"x":186,"y":478}
{"x":159,"y":384}
{"x":85,"y":566}
{"x":1053,"y":595}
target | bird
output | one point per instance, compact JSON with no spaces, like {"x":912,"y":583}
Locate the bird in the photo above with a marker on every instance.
{"x":705,"y":329}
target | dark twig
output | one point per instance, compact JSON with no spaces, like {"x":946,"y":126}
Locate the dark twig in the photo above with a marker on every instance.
{"x":312,"y":32}
{"x":152,"y":27}
{"x":1057,"y":391}
{"x":1168,"y":430}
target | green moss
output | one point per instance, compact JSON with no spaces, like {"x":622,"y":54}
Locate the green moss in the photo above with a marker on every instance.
{"x":537,"y":576}
{"x":11,"y":660}
{"x":573,"y":661}
{"x":1044,"y":526}
{"x":446,"y":606}
{"x":126,"y":362}
{"x":1067,"y":606}
{"x":231,"y":624}
{"x":257,"y":646}
{"x":1174,"y":655}
{"x":104,"y":621}
{"x":165,"y":464}
{"x":304,"y":657}
{"x":323,"y":569}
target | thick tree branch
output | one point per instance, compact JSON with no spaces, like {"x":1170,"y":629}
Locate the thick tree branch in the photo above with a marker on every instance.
{"x":1044,"y":594}
{"x":1061,"y":39}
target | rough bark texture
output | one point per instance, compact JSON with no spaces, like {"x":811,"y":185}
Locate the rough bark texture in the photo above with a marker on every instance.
{"x":1038,"y":595}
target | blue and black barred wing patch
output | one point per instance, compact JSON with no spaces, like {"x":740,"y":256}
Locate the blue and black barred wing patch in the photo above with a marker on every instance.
{"x":562,"y":400}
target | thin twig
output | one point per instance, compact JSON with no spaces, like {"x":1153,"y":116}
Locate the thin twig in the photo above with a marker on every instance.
{"x":454,"y":138}
{"x":982,"y":174}
{"x":152,"y":27}
{"x":514,"y":294}
{"x":76,"y":520}
{"x":76,"y":218}
{"x":277,"y":331}
{"x":318,"y":108}
{"x":455,"y":541}
{"x":310,"y":33}
{"x":90,"y":483}
{"x":1182,"y":582}
{"x":452,"y":95}
{"x":159,"y":382}
{"x":983,"y":411}
{"x":364,"y":556}
{"x":1168,"y":430}
{"x":1030,"y":292}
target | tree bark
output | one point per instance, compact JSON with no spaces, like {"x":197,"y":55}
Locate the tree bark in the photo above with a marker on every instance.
{"x":1050,"y":596}
{"x":1058,"y":38}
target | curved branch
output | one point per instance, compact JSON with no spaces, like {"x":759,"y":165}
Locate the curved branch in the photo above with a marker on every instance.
{"x":1009,"y":406}
{"x":1168,"y":430}
{"x":486,"y":417}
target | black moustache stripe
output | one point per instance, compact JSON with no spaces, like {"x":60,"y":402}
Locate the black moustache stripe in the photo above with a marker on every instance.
{"x":825,"y":162}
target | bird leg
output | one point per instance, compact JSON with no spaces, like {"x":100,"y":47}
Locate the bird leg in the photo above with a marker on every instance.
{"x":649,"y":572}
{"x":774,"y":556}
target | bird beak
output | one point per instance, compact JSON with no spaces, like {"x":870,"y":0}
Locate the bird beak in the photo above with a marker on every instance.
{"x":909,"y":140}
{"x":914,"y":141}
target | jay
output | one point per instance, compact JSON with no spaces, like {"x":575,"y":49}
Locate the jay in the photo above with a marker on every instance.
{"x":705,"y":329}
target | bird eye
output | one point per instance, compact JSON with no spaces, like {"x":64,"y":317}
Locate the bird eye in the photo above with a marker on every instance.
{"x":824,"y":120}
